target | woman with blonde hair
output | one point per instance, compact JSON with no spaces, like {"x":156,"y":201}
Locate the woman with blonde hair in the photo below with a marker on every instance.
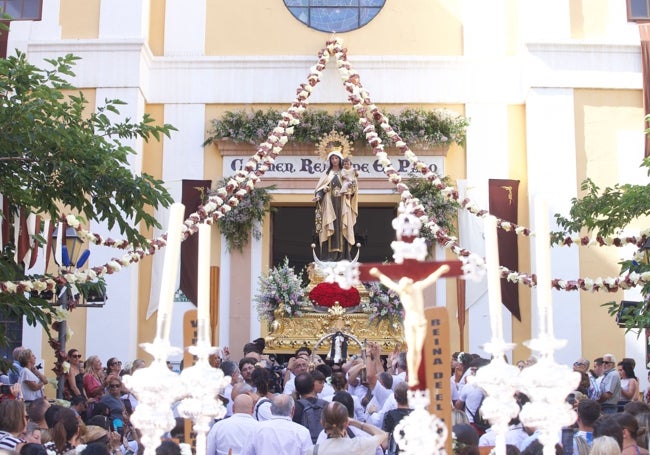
{"x":32,"y":382}
{"x":94,"y":378}
{"x":605,"y":445}
{"x":335,"y":423}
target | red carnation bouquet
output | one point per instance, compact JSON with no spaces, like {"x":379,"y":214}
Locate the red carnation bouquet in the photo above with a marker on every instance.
{"x":326,"y":294}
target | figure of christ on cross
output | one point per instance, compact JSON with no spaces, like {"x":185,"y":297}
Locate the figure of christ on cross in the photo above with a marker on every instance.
{"x":415,"y":324}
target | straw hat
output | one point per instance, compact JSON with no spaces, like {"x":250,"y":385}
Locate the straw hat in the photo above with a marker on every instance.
{"x":92,"y":434}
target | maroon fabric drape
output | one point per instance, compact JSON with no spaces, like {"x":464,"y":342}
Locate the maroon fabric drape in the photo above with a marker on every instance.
{"x":644,"y":32}
{"x":3,"y":39}
{"x":503,"y":200}
{"x":193,"y":193}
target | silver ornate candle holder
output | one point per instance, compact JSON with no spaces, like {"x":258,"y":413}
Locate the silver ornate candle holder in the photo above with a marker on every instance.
{"x":156,"y":388}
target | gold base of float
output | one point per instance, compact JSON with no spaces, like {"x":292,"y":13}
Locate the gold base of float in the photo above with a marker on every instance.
{"x":286,"y":334}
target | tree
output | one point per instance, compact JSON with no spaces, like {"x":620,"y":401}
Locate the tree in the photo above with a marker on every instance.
{"x":56,"y":158}
{"x":604,"y":212}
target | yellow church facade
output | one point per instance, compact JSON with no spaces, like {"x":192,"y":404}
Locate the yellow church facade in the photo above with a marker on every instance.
{"x":552,"y":91}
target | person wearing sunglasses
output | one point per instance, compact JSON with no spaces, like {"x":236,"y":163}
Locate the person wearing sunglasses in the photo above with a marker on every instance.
{"x":74,"y":378}
{"x":113,"y":398}
{"x":610,"y":386}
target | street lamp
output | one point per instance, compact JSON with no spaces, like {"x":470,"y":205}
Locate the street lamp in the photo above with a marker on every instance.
{"x":69,"y":244}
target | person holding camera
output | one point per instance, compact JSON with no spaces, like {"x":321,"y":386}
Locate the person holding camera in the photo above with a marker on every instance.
{"x":31,"y":380}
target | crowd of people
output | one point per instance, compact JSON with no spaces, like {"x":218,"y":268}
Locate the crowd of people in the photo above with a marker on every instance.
{"x":613,"y":415}
{"x":95,"y":419}
{"x":309,"y":405}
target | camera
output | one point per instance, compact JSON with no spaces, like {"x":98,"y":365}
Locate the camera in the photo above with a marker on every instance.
{"x":5,"y":389}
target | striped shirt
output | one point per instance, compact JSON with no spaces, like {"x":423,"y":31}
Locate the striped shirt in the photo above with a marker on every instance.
{"x":9,"y":441}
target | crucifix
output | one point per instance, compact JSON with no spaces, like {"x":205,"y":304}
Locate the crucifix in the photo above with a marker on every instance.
{"x":409,"y":276}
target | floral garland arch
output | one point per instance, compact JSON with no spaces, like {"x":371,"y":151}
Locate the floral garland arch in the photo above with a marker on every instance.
{"x":245,"y":180}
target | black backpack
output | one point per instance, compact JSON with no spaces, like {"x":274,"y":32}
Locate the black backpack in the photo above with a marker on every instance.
{"x":480,"y":421}
{"x":311,"y":413}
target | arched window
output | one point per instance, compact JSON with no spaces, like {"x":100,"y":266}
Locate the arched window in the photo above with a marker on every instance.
{"x":22,"y":9}
{"x":334,"y":15}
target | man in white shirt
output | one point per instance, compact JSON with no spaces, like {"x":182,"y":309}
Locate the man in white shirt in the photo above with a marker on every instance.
{"x":279,"y":435}
{"x":296,"y":366}
{"x":235,"y":431}
{"x":471,"y":396}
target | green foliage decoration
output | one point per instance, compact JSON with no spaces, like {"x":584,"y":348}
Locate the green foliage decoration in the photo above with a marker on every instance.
{"x":420,"y":127}
{"x":443,"y":210}
{"x":245,"y":218}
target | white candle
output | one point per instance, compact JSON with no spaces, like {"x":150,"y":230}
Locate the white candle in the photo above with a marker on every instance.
{"x":493,"y":276}
{"x":203,"y":282}
{"x":170,"y":270}
{"x":543,"y":256}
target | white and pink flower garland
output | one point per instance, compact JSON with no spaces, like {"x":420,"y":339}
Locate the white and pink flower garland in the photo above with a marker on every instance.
{"x":244,"y":181}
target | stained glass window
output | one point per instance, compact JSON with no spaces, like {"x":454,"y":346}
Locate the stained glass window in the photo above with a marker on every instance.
{"x":334,"y":15}
{"x":22,"y":9}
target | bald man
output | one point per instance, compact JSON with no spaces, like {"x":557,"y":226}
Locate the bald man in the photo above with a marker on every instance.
{"x":279,"y":434}
{"x":235,"y":431}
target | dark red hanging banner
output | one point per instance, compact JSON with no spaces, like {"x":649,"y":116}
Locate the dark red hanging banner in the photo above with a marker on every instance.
{"x":503,"y":202}
{"x":194,"y":192}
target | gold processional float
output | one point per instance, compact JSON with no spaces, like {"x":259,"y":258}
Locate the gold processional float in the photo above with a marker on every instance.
{"x":332,"y":311}
{"x":319,"y":325}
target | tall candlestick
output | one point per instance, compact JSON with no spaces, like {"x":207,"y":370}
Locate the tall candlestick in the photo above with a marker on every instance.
{"x":543,"y":254}
{"x":170,"y":270}
{"x":493,"y":276}
{"x":203,"y":282}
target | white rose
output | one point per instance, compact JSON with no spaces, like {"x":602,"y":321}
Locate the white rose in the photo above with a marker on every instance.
{"x":634,"y":277}
{"x":72,"y":221}
{"x":283,"y":140}
{"x":589,"y":284}
{"x":400,"y":144}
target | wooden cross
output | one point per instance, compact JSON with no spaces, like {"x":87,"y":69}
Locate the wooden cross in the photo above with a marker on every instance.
{"x":433,"y":354}
{"x":409,"y":279}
